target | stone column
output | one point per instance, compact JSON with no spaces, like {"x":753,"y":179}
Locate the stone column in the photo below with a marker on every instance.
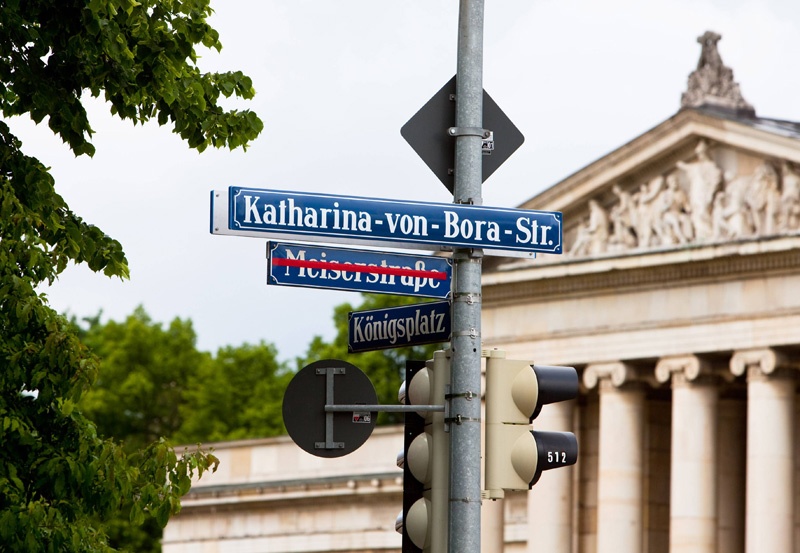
{"x":732,"y":430}
{"x":620,"y":457}
{"x":693,"y":457}
{"x":550,"y":501}
{"x":771,"y":392}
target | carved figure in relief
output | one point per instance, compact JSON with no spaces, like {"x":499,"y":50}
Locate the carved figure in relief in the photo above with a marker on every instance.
{"x":704,"y":178}
{"x":734,"y":211}
{"x":664,"y":210}
{"x":581,"y":244}
{"x":593,"y":236}
{"x":672,"y":223}
{"x":720,"y":228}
{"x":789,"y":211}
{"x":623,"y":215}
{"x":762,"y":199}
{"x":645,"y":210}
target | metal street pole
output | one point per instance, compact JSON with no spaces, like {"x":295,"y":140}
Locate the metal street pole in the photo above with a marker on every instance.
{"x":465,"y":406}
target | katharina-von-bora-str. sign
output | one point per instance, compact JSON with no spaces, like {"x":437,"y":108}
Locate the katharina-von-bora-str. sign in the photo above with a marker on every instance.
{"x":395,"y":327}
{"x":358,"y":270}
{"x":374,"y":221}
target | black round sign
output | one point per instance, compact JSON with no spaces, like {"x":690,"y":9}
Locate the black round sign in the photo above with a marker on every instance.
{"x":304,"y":408}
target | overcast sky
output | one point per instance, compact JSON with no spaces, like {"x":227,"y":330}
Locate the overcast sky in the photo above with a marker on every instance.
{"x":335,"y":83}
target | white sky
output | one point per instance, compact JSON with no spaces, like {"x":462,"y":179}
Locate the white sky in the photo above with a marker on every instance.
{"x":336,"y":81}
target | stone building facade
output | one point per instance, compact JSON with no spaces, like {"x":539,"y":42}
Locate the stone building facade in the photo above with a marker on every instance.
{"x":678,"y":301}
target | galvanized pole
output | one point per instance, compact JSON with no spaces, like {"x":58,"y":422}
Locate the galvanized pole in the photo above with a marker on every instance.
{"x":465,"y":407}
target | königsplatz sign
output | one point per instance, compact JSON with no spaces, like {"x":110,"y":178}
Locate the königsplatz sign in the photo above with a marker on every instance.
{"x":396,"y":327}
{"x":374,"y":222}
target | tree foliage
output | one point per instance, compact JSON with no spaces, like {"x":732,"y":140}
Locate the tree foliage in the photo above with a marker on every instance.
{"x":144,"y":373}
{"x":139,"y":55}
{"x":153,"y":382}
{"x":57,"y":476}
{"x":385,"y":368}
{"x":237,"y":395}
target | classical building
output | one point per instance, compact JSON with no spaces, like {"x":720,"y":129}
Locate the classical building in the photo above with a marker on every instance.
{"x":678,"y":301}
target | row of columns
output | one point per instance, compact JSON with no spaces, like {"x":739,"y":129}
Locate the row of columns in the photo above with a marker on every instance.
{"x":704,"y":517}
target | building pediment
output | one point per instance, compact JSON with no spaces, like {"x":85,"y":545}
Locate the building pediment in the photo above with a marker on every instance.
{"x":715,"y":172}
{"x":704,"y":176}
{"x":707,"y":187}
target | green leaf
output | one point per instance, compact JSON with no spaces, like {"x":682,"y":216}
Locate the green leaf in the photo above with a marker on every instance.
{"x":163,"y":513}
{"x":136,"y":514}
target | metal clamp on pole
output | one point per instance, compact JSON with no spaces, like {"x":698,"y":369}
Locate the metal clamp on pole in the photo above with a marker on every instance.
{"x":458,"y":419}
{"x":469,"y":131}
{"x":344,"y":408}
{"x":469,"y":298}
{"x":472,"y":333}
{"x":469,"y":255}
{"x":487,"y":137}
{"x":466,"y":395}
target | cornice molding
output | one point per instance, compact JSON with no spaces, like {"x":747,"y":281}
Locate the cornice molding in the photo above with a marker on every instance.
{"x":304,"y":491}
{"x":569,"y":281}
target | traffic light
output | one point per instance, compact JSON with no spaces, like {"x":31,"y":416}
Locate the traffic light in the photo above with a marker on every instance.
{"x":425,"y":458}
{"x":515,"y":394}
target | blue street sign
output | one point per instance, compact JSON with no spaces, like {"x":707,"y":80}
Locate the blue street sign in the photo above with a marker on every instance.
{"x":373,"y":221}
{"x":396,"y":327}
{"x":358,"y":270}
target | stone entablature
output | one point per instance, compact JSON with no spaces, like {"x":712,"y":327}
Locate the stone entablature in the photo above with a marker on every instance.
{"x":270,"y":495}
{"x":641,"y":269}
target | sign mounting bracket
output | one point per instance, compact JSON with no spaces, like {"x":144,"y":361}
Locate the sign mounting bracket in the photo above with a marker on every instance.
{"x":329,"y":373}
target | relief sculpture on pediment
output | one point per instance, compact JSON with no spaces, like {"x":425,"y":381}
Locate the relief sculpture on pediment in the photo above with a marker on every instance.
{"x":696,"y":201}
{"x":704,"y":178}
{"x":789,"y":211}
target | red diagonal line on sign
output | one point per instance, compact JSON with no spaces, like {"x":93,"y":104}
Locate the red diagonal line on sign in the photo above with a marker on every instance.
{"x":397,"y":271}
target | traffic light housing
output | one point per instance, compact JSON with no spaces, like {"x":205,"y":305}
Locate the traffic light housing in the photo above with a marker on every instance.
{"x":425,"y":458}
{"x":516,"y":391}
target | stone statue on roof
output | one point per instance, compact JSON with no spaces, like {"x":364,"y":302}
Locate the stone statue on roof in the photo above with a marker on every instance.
{"x":712,"y":84}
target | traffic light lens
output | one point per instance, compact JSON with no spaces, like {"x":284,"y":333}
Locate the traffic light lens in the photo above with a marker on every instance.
{"x":419,"y":391}
{"x":522,"y":452}
{"x":525,"y":391}
{"x":417,"y":522}
{"x":419,"y":457}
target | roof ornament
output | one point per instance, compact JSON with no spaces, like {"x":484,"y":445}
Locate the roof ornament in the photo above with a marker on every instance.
{"x":712,"y":84}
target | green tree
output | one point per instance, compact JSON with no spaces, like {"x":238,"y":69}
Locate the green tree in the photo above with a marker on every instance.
{"x":153,"y":382}
{"x":57,"y":476}
{"x":385,"y":368}
{"x":239,"y":394}
{"x":137,"y":397}
{"x":144,"y":372}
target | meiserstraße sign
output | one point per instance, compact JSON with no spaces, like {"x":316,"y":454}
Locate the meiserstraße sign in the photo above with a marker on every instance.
{"x":374,"y":221}
{"x":358,"y":270}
